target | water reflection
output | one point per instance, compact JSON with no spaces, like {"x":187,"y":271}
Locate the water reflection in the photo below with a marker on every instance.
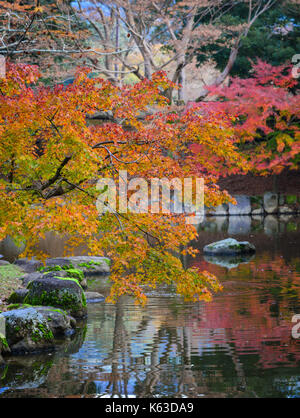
{"x":229,"y":261}
{"x":238,"y":345}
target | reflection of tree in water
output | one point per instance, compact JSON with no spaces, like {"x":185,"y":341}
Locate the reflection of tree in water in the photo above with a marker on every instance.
{"x":166,"y":365}
{"x":171,"y":365}
{"x":233,"y":346}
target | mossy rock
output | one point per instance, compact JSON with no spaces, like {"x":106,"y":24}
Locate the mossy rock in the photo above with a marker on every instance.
{"x":36,"y":328}
{"x":228,"y":247}
{"x":60,"y":292}
{"x":65,"y":271}
{"x":89,"y":265}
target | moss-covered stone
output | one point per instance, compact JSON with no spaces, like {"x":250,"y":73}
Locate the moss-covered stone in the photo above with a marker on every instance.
{"x":89,"y":265}
{"x":61,"y":292}
{"x":229,"y":246}
{"x":32,"y":329}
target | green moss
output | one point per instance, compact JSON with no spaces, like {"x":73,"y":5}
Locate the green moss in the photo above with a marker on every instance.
{"x":56,"y":298}
{"x":60,"y":298}
{"x":291,"y":199}
{"x":83,"y":299}
{"x":3,"y":342}
{"x":235,"y":247}
{"x":42,"y":333}
{"x":91,"y":264}
{"x":60,"y":311}
{"x":68,"y":278}
{"x":5,"y":372}
{"x":291,"y":227}
{"x":76,"y":274}
{"x":18,"y":306}
{"x":71,"y":271}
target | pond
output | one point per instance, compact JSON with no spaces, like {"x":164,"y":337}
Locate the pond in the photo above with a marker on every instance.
{"x":238,"y":345}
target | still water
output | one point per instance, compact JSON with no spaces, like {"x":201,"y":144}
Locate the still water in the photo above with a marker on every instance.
{"x":238,"y":345}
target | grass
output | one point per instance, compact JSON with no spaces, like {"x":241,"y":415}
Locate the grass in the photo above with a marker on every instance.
{"x":9,"y":281}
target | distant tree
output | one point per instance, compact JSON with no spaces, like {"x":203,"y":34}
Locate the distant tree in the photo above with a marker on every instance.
{"x":266,"y":112}
{"x":90,"y":31}
{"x":274,"y":38}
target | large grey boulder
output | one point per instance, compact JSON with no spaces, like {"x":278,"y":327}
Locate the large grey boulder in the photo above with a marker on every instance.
{"x":64,"y":293}
{"x":32,"y":329}
{"x":88,"y":264}
{"x":242,"y":207}
{"x":228,"y":247}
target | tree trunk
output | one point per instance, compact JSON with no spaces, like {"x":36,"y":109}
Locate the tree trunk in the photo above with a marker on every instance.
{"x":147,"y":69}
{"x":181,"y":81}
{"x":221,"y":78}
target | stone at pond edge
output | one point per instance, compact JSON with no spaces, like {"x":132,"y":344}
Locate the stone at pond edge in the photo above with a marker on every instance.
{"x":242,"y":207}
{"x":36,"y":328}
{"x":88,"y":264}
{"x":221,"y":210}
{"x":30,"y":277}
{"x":94,"y":297}
{"x":271,"y":202}
{"x":283,"y":210}
{"x":229,"y":246}
{"x":28,"y":265}
{"x":257,"y":212}
{"x":64,"y":293}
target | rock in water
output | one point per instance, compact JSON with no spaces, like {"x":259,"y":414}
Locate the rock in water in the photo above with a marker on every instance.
{"x":64,"y":293}
{"x":35,"y":328}
{"x":94,"y":297}
{"x":229,"y":246}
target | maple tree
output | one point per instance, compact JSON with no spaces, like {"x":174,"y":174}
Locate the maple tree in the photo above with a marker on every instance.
{"x":51,"y":158}
{"x":265,"y":110}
